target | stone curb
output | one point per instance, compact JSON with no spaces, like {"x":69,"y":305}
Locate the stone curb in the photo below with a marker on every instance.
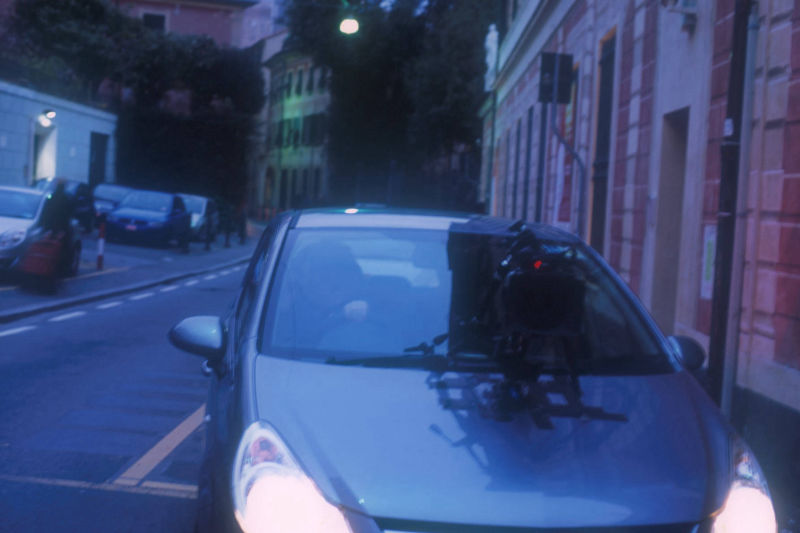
{"x":24,"y":312}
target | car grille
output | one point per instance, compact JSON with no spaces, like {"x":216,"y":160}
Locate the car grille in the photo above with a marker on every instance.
{"x":402,"y":526}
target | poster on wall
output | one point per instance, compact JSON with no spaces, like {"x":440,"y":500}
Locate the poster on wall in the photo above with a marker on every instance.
{"x":709,"y":251}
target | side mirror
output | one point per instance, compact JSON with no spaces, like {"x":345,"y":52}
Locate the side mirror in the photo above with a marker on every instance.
{"x":200,"y":335}
{"x":691,"y":353}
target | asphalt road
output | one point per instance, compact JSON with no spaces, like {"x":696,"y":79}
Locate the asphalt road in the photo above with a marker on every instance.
{"x":101,"y":426}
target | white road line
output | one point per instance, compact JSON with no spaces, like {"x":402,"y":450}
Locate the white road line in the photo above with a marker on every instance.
{"x":210,"y":277}
{"x":190,"y":283}
{"x":14,"y":331}
{"x":224,"y":272}
{"x":169,"y":288}
{"x":172,"y":490}
{"x":109,"y":305}
{"x":74,"y":314}
{"x":142,"y":296}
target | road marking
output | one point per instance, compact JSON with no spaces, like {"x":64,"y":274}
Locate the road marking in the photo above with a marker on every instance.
{"x":172,"y":490}
{"x":100,"y":273}
{"x":109,"y":305}
{"x":224,"y":272}
{"x":146,"y":463}
{"x":190,"y":283}
{"x":169,"y":288}
{"x":14,"y":331}
{"x":11,"y":288}
{"x":210,"y":277}
{"x":74,"y":314}
{"x":142,"y":296}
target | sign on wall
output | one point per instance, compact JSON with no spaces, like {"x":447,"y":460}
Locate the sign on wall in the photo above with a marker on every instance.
{"x":709,"y":251}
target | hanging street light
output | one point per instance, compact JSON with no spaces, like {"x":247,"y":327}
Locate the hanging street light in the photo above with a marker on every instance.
{"x":348,"y":26}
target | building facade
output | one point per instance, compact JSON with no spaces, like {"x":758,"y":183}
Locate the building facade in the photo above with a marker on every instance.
{"x":297,"y":163}
{"x":646,"y":118}
{"x":42,"y":136}
{"x":237,"y":23}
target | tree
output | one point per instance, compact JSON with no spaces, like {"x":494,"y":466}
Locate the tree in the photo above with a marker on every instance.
{"x":405,"y":89}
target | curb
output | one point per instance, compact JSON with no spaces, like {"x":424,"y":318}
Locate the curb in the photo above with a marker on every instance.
{"x":24,"y":312}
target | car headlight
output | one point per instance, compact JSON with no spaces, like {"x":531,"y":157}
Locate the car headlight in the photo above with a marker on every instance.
{"x":748,"y":507}
{"x":12,"y":238}
{"x":271,"y":493}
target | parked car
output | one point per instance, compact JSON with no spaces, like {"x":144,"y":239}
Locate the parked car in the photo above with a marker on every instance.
{"x":107,"y":197}
{"x":81,"y":195}
{"x":402,"y":371}
{"x":21,"y":225}
{"x":149,"y":217}
{"x":205,"y":216}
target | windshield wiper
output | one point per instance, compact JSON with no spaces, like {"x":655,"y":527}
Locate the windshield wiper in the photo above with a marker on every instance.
{"x":427,"y":362}
{"x":425,"y":348}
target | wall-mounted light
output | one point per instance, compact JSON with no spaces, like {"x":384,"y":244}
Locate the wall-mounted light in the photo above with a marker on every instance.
{"x":44,"y":121}
{"x":49,"y":113}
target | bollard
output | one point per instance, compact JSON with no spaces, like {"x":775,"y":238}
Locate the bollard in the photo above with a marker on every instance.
{"x":101,"y":244}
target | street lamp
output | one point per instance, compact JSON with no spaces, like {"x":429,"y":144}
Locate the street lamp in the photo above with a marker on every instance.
{"x":348,"y":26}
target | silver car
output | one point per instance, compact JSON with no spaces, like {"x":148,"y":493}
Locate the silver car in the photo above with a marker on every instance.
{"x":21,"y":224}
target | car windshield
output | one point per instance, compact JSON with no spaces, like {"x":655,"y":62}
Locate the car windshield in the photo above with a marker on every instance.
{"x":110,"y":192}
{"x":150,"y":201}
{"x":194,"y":204}
{"x":374,"y":293}
{"x":15,"y":204}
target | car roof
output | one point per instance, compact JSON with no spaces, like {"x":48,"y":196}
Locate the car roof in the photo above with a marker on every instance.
{"x":26,"y":190}
{"x":370,"y":217}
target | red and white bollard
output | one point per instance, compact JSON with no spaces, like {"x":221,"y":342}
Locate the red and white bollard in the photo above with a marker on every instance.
{"x":101,"y":244}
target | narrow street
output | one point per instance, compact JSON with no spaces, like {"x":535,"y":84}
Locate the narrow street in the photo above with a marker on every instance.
{"x":102,"y":417}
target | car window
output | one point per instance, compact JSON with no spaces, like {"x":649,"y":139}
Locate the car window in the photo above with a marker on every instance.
{"x":15,"y":204}
{"x":378,"y":293}
{"x":148,"y":200}
{"x":251,"y":279}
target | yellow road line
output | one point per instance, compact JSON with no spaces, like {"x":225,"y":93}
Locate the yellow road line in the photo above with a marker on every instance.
{"x":101,"y":272}
{"x":133,"y":475}
{"x":172,"y":490}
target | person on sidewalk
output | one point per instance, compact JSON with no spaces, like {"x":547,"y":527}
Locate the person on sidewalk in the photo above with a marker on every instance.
{"x":57,"y":220}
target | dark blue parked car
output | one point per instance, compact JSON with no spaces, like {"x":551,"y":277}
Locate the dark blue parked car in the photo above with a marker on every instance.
{"x":401,"y":371}
{"x":150,"y":217}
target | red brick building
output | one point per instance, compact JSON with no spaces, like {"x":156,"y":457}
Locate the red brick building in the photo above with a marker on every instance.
{"x":647,"y":116}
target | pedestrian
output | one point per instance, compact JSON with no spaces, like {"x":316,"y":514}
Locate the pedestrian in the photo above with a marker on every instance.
{"x":57,"y":220}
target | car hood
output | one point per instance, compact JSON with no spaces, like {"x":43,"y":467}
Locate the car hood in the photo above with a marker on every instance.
{"x":140,"y":214}
{"x":379,"y":441}
{"x":11,"y":223}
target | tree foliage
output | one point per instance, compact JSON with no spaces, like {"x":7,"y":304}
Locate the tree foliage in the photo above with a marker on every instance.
{"x":96,"y":42}
{"x":405,"y":90}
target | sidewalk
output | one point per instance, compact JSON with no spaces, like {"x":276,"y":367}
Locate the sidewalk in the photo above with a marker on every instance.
{"x":127,"y":268}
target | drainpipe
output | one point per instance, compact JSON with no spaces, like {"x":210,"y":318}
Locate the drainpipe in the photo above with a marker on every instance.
{"x":728,"y":204}
{"x":737,"y":274}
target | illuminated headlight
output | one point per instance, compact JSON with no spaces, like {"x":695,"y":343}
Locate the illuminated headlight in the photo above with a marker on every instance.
{"x":271,"y":493}
{"x":11,"y":238}
{"x":748,"y":507}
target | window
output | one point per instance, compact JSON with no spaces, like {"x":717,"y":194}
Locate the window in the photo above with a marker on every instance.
{"x":323,"y":79}
{"x":317,"y":183}
{"x":288,"y":86}
{"x":299,"y":88}
{"x":154,"y":21}
{"x":307,"y":129}
{"x":310,"y":84}
{"x":296,"y":132}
